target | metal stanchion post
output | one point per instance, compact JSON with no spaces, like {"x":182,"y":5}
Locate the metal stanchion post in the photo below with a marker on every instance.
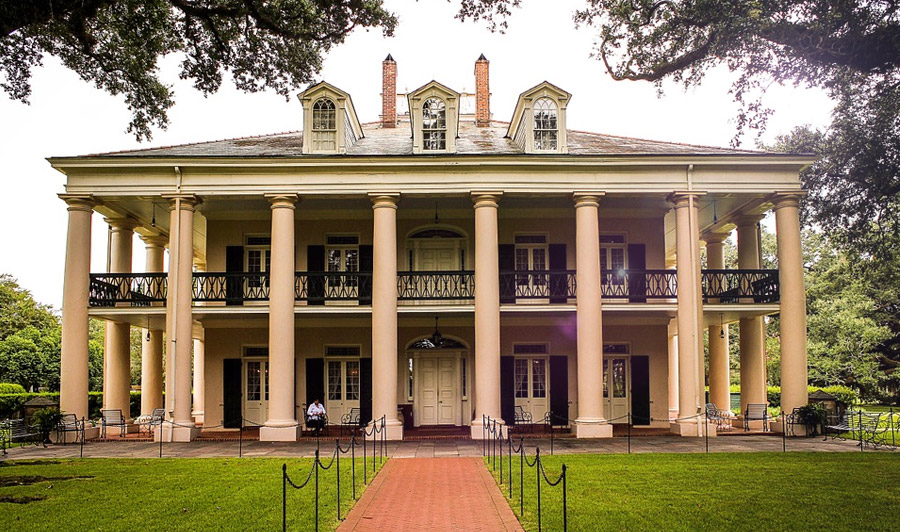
{"x":82,"y":437}
{"x":537,"y":470}
{"x":316,"y":467}
{"x":893,"y":437}
{"x":565,"y":501}
{"x":860,"y":432}
{"x":161,"y":437}
{"x":521,"y":476}
{"x":629,"y":432}
{"x":241,"y":440}
{"x":509,"y":461}
{"x":706,"y":430}
{"x":353,"y":463}
{"x":283,"y":497}
{"x":783,"y":433}
{"x":365,"y":454}
{"x":337,"y":456}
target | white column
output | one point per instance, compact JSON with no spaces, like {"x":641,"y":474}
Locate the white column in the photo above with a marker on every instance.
{"x":590,"y":422}
{"x":794,"y":377}
{"x":152,"y":339}
{"x":673,"y":369}
{"x":74,"y":378}
{"x":487,"y":311}
{"x":690,"y":334}
{"x":384,"y":313}
{"x":118,"y":334}
{"x":179,"y":320}
{"x":281,"y":424}
{"x":752,"y":329}
{"x":719,"y":369}
{"x":199,"y":364}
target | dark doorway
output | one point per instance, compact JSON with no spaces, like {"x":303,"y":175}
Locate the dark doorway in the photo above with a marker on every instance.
{"x":231,"y":390}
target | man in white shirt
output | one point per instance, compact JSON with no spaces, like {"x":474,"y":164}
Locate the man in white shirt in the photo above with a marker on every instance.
{"x":315,"y":416}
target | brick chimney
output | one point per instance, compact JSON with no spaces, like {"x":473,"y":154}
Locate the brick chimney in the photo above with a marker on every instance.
{"x":482,"y":93}
{"x":389,"y":92}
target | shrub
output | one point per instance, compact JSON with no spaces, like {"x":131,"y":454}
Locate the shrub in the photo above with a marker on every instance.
{"x":11,"y":387}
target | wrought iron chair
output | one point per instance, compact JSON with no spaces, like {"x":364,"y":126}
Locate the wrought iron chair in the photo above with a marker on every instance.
{"x":720,"y":417}
{"x":350,"y":421}
{"x":756,"y":412}
{"x":522,"y":418}
{"x":69,"y":423}
{"x":113,"y":418}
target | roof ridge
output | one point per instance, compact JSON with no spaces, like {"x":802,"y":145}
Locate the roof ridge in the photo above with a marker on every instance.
{"x":170,"y":146}
{"x":687,"y":144}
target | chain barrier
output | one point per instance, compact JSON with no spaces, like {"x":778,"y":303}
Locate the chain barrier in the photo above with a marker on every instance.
{"x":493,"y":431}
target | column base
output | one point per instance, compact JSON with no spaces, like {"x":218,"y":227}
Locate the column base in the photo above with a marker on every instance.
{"x":738,"y":423}
{"x":393,"y":430}
{"x":590,"y":428}
{"x":279,"y":433}
{"x":477,"y":433}
{"x":689,"y":429}
{"x":198,"y":417}
{"x":90,"y":433}
{"x":183,"y":432}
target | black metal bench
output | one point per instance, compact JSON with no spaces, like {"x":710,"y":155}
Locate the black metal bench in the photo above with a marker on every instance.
{"x":15,"y":430}
{"x":350,"y":421}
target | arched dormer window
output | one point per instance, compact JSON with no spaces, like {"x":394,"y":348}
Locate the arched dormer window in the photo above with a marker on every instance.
{"x":434,"y":125}
{"x":324,"y":125}
{"x":545,"y":125}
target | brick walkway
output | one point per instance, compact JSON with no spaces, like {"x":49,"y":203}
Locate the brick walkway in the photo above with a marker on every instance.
{"x":433,"y":494}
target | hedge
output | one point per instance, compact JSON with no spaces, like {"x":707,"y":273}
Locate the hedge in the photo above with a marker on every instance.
{"x":845,"y":395}
{"x":11,"y":387}
{"x":11,"y":403}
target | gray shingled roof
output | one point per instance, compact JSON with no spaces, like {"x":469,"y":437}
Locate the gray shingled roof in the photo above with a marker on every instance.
{"x":380,"y":141}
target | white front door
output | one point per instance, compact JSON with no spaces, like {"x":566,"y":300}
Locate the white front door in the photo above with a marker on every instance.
{"x":438,"y":256}
{"x":342,"y":385}
{"x":531,"y":386}
{"x":616,"y":388}
{"x":437,"y":399}
{"x":256,"y":390}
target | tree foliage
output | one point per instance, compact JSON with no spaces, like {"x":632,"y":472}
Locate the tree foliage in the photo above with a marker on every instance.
{"x":117,"y":44}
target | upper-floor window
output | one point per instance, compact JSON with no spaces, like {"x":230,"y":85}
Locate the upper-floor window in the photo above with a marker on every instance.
{"x":612,"y":258}
{"x":324,"y":125}
{"x":545,"y":125}
{"x":434,"y":125}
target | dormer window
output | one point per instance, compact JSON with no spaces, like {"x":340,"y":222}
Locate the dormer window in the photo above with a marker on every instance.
{"x":324,"y":125}
{"x":538,"y":124}
{"x":434,"y":125}
{"x":545,"y":129}
{"x":434,"y":118}
{"x":330,"y":125}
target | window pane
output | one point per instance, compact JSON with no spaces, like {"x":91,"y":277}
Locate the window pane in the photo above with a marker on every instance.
{"x":334,"y":380}
{"x":521,"y":378}
{"x":254,"y":260}
{"x":334,"y":260}
{"x":463,"y":371}
{"x":267,"y":381}
{"x":619,"y":378}
{"x":253,"y":378}
{"x":352,"y":368}
{"x":539,"y":377}
{"x":539,"y":260}
{"x":351,"y":260}
{"x":434,"y":125}
{"x":606,"y":378}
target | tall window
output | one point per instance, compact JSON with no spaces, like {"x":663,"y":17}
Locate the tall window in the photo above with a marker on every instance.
{"x":342,"y":253}
{"x":612,"y":259}
{"x":545,"y":127}
{"x":257,"y":259}
{"x":434,"y":125}
{"x":324,"y":125}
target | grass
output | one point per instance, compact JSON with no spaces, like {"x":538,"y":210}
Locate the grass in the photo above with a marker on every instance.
{"x":727,"y":491}
{"x":168,"y":494}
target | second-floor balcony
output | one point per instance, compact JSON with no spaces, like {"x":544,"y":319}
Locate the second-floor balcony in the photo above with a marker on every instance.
{"x":443,"y":287}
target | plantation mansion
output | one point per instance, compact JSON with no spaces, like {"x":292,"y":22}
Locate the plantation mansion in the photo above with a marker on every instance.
{"x":436,"y":263}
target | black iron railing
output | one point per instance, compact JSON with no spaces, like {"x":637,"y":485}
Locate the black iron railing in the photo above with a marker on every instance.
{"x":135,"y":289}
{"x":639,"y":285}
{"x":435,"y":285}
{"x":231,"y":287}
{"x":740,"y":286}
{"x":537,"y":284}
{"x":318,"y":287}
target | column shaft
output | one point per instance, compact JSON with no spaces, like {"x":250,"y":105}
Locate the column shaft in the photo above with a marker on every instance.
{"x":719,"y":370}
{"x":152,"y":339}
{"x":281,"y":424}
{"x":487,"y":311}
{"x":199,"y":380}
{"x":590,"y":422}
{"x":118,"y":335}
{"x":752,"y":352}
{"x":384,"y":314}
{"x":794,"y":378}
{"x":74,"y":378}
{"x":673,"y":373}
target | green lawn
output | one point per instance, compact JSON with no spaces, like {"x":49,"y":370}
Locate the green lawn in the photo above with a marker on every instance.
{"x":741,"y":491}
{"x":167,"y":494}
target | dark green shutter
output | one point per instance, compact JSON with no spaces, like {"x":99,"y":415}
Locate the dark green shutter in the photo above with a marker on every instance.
{"x":234,"y":263}
{"x":365,"y":390}
{"x":507,"y":263}
{"x":507,"y":389}
{"x":315,"y":278}
{"x":231,"y":393}
{"x":558,"y":284}
{"x":637,"y":282}
{"x":559,"y":390}
{"x":365,"y":281}
{"x":315,"y":381}
{"x":640,"y":390}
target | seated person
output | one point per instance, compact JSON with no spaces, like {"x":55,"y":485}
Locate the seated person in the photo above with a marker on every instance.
{"x":315,"y":416}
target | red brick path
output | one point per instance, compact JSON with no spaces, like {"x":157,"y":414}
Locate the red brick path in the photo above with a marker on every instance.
{"x":432,"y":494}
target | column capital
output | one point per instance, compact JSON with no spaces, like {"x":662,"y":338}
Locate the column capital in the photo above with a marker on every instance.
{"x":384,"y":199}
{"x":486,"y":198}
{"x":283,"y":201}
{"x":788,"y":199}
{"x":188,"y":201}
{"x":715,"y":238}
{"x":681,"y":198}
{"x":122,"y":224}
{"x":154,"y":241}
{"x":79,"y":202}
{"x":587,"y":198}
{"x":745,"y":220}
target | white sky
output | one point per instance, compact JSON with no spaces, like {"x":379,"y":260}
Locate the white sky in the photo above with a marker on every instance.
{"x":70,"y":117}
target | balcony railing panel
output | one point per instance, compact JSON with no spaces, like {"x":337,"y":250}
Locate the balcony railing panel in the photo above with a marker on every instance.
{"x":134,"y":289}
{"x":556,"y":285}
{"x":740,"y":286}
{"x":435,"y":285}
{"x":639,"y":285}
{"x":231,"y":287}
{"x":319,"y":287}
